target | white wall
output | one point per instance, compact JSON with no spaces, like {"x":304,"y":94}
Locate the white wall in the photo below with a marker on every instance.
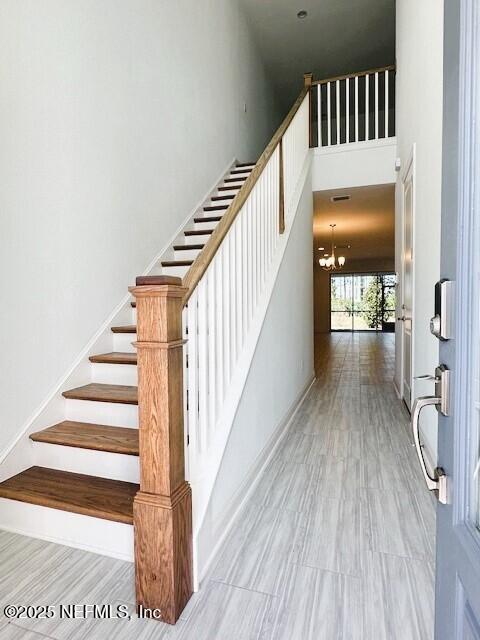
{"x":354,"y":165}
{"x":419,"y":121}
{"x":281,"y":370}
{"x":116,"y":117}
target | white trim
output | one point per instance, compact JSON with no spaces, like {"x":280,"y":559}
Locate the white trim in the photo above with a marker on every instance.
{"x":409,"y":169}
{"x":249,"y":484}
{"x":397,"y":389}
{"x":361,"y":145}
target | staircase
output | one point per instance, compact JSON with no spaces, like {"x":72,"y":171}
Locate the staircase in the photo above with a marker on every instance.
{"x":102,"y":416}
{"x":140,"y":431}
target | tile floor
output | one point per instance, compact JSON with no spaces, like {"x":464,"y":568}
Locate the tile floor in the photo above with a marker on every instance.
{"x":336,"y":543}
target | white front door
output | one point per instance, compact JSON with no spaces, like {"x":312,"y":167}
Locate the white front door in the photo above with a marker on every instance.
{"x":407,"y":282}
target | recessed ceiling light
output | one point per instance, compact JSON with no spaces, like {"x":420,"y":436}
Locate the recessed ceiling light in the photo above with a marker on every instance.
{"x":321,"y":248}
{"x":302,"y":14}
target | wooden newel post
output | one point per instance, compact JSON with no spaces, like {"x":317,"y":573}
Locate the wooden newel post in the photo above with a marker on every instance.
{"x":162,"y":509}
{"x":307,"y":81}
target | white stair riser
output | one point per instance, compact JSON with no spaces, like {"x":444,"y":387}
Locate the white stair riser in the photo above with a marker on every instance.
{"x":114,"y":373}
{"x":197,"y":239}
{"x":242,"y":175}
{"x":104,"y":464}
{"x":229,"y":192}
{"x":111,"y":413}
{"x":233,"y":185}
{"x":178,"y":272}
{"x":199,"y":226}
{"x":186,"y":254}
{"x":123,"y":342}
{"x":113,"y":539}
{"x":209,"y":214}
{"x":221,"y":203}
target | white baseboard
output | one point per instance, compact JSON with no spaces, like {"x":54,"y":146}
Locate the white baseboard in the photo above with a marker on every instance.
{"x":243,"y":493}
{"x":397,"y":389}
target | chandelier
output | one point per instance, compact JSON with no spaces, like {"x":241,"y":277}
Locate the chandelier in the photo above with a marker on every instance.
{"x":331,"y":262}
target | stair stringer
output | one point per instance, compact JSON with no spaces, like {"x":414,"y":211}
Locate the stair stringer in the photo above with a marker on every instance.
{"x":202,"y":478}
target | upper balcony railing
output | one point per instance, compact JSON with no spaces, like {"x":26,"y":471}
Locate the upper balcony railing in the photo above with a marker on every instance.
{"x":353,"y":108}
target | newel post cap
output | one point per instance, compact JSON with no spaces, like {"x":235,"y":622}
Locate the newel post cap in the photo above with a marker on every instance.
{"x":308,"y":79}
{"x":158,"y":286}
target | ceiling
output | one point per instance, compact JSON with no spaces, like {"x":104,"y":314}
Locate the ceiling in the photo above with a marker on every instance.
{"x":337,"y":37}
{"x":366,"y":222}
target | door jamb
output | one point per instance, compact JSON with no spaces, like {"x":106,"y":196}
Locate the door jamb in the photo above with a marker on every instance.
{"x":409,"y":168}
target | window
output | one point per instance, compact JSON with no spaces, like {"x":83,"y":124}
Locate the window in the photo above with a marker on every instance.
{"x":362,"y":302}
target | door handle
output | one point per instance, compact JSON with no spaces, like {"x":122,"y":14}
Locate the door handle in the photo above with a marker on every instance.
{"x":419,"y":404}
{"x":437,"y":482}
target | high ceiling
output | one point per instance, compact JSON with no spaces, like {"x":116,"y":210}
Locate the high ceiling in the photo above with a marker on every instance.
{"x":366,"y":222}
{"x":336,"y":37}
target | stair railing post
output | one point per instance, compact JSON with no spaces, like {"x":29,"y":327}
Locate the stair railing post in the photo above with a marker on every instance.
{"x":162,"y":509}
{"x":307,"y":81}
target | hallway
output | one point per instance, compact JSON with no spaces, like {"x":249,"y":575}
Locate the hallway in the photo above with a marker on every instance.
{"x":336,"y":542}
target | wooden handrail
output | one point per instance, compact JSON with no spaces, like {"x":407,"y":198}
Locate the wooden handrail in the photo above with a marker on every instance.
{"x":390,"y":67}
{"x":200,"y":264}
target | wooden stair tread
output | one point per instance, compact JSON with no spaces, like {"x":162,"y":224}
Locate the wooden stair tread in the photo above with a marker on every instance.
{"x":84,"y":435}
{"x":229,"y":196}
{"x":235,"y":171}
{"x":177,"y":263}
{"x":73,"y":492}
{"x":187,"y":247}
{"x":129,"y":328}
{"x":216,"y":207}
{"x":96,"y":392}
{"x":229,"y":188}
{"x":239,"y":179}
{"x":198,"y":232}
{"x":207,"y":219}
{"x":245,"y":164}
{"x":115,"y":357}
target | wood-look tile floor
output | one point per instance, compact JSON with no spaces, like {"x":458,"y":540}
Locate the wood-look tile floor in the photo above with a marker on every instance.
{"x":336,"y":543}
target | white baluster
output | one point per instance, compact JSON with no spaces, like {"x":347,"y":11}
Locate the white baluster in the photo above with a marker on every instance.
{"x":386,"y":103}
{"x":367,"y":107}
{"x":211,"y":331}
{"x":220,"y":321}
{"x":192,"y":370}
{"x":337,"y":100}
{"x":356,"y":108}
{"x":319,"y":113}
{"x":329,"y":115}
{"x":347,"y":110}
{"x":228,"y":297}
{"x":232,"y":240}
{"x":202,"y":365}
